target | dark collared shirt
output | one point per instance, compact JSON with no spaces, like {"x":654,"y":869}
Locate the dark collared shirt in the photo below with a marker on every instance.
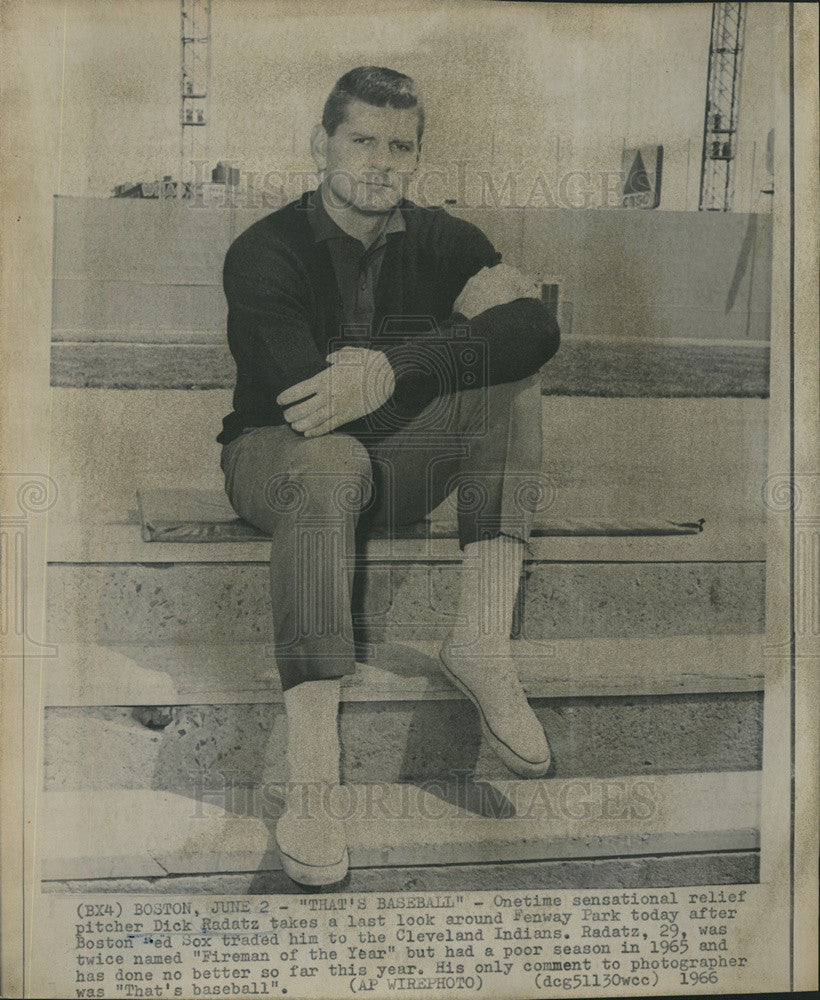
{"x":357,"y":267}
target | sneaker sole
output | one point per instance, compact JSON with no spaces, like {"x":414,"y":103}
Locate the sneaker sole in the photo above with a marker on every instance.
{"x":517,"y":764}
{"x":306,"y":873}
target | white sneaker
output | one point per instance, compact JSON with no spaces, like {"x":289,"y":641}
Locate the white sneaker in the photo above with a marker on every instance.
{"x":311,"y":840}
{"x":507,"y":720}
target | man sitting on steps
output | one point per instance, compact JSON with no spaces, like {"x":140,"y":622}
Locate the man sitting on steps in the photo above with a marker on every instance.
{"x":385,"y":357}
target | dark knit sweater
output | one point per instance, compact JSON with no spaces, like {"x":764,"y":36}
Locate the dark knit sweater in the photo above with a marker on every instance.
{"x":284,"y":317}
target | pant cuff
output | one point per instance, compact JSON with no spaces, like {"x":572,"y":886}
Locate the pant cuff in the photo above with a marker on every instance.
{"x":293,"y":671}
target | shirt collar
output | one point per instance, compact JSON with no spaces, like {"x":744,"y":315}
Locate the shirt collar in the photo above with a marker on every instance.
{"x":324,"y":228}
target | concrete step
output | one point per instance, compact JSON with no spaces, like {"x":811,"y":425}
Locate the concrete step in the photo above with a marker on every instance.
{"x":170,"y":603}
{"x":121,"y":833}
{"x":231,"y":748}
{"x":679,"y":704}
{"x":732,"y":867}
{"x":401,"y":732}
{"x":235,"y":673}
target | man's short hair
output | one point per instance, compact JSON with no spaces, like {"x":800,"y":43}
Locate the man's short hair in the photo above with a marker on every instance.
{"x":374,"y":85}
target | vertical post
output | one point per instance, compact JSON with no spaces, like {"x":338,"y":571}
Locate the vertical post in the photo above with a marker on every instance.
{"x":720,"y":127}
{"x":752,"y":181}
{"x":727,"y":193}
{"x":740,"y":48}
{"x":181,"y":88}
{"x":195,"y":77}
{"x":706,"y":110}
{"x":207,"y":77}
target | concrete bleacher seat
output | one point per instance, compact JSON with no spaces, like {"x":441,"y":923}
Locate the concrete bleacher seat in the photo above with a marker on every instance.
{"x":638,"y":633}
{"x":401,"y":723}
{"x":639,"y":625}
{"x":156,"y":835}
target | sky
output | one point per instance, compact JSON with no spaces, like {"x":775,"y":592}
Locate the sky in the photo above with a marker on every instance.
{"x":527,"y":87}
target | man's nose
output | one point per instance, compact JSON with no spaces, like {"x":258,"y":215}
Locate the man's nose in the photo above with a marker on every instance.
{"x":380,"y":158}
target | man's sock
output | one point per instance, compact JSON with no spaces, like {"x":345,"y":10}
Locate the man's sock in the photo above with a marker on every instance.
{"x":477,"y":658}
{"x":313,"y":734}
{"x":490,"y":573}
{"x":311,"y":838}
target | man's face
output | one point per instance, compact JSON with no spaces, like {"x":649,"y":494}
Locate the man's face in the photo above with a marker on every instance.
{"x":370,"y":158}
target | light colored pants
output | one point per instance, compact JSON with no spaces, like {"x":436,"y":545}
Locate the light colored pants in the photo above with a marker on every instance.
{"x":312,"y":494}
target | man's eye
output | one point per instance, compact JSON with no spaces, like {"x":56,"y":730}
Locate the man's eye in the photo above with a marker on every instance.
{"x":361,"y":139}
{"x":402,"y":147}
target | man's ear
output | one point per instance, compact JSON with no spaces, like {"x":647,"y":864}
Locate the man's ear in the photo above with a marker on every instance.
{"x":318,"y":146}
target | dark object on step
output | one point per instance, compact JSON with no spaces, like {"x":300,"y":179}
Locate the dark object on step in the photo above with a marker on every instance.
{"x":153,"y":716}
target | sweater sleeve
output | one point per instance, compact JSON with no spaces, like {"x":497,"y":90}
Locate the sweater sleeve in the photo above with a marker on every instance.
{"x":503,"y":344}
{"x":461,"y":250}
{"x":269,"y":329}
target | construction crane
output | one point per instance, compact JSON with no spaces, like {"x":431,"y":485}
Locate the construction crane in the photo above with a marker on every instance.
{"x":195,"y":81}
{"x":722,"y":105}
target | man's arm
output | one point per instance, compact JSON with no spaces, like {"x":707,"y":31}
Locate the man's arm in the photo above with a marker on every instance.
{"x":494,"y":286}
{"x":504,"y":306}
{"x":358,"y":381}
{"x":517,"y":334}
{"x":499,"y":306}
{"x":502,"y":312}
{"x":269,"y":330}
{"x":506,"y":316}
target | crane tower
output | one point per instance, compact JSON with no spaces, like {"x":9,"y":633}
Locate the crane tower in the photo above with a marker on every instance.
{"x":195,"y":80}
{"x":722,"y":106}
